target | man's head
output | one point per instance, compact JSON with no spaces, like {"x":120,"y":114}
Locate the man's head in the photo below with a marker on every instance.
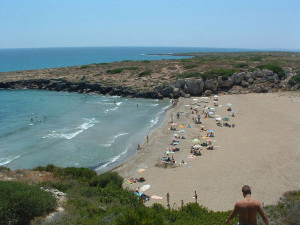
{"x":246,"y":190}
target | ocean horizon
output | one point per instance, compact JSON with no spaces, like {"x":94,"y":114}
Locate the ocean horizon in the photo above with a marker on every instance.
{"x":17,"y":59}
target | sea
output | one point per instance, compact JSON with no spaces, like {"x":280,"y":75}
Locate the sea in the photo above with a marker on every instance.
{"x":71,"y":129}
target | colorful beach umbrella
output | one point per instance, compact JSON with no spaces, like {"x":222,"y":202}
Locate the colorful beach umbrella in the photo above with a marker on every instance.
{"x":226,"y":119}
{"x":174,"y":124}
{"x":181,"y":126}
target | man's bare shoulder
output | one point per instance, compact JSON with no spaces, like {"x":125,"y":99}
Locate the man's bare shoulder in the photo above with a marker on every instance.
{"x":247,"y":202}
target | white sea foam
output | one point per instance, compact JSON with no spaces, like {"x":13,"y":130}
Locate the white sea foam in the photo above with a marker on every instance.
{"x":155,"y":120}
{"x":111,"y":160}
{"x":113,"y":109}
{"x":69,"y":133}
{"x":6,"y":160}
{"x":112,"y":140}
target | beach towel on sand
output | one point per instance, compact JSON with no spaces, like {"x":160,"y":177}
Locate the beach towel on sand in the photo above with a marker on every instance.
{"x":156,"y":197}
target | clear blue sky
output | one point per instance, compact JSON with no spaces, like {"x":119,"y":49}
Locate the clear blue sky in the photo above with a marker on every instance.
{"x":258,"y":24}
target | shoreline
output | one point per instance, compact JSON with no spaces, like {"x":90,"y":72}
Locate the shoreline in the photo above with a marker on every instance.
{"x":249,"y":154}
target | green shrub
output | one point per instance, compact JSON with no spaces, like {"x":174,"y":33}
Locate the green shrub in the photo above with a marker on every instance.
{"x":213,"y":74}
{"x":80,"y":174}
{"x":3,"y":168}
{"x":120,"y":70}
{"x":241,"y":65}
{"x":190,"y":66}
{"x":295,"y":79}
{"x":275,"y":68}
{"x":146,"y":61}
{"x":48,"y":168}
{"x":255,"y":58}
{"x":115,"y":71}
{"x":131,"y":68}
{"x":105,"y":179}
{"x":20,"y":203}
{"x":145,"y":73}
{"x":188,"y":75}
{"x":101,"y":64}
{"x":85,"y":67}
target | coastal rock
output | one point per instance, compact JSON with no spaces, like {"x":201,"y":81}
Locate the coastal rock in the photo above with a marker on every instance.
{"x":250,"y":81}
{"x":224,"y":83}
{"x":211,"y":85}
{"x":179,"y":83}
{"x":267,"y":72}
{"x":193,"y":86}
{"x":237,"y":78}
{"x":176,"y":93}
{"x":259,"y":88}
{"x":208,"y":93}
{"x":244,"y":83}
{"x":257,"y":73}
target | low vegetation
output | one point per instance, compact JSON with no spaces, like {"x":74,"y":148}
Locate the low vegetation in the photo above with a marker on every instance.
{"x":295,"y":80}
{"x":190,"y":66}
{"x":275,"y":68}
{"x":211,"y":74}
{"x":145,"y":73}
{"x":120,"y":70}
{"x":20,"y":203}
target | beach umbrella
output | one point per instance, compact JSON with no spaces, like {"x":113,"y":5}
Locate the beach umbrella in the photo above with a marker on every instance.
{"x":202,"y":126}
{"x":175,"y":135}
{"x":168,"y":152}
{"x":197,"y":146}
{"x":210,"y":112}
{"x":195,"y":99}
{"x":226,"y":119}
{"x":196,"y":107}
{"x":212,"y":108}
{"x":196,"y":141}
{"x":215,"y":96}
{"x":211,"y":131}
{"x":144,"y":188}
{"x":218,"y":119}
{"x":174,"y":124}
{"x":181,"y":126}
{"x":229,"y":104}
{"x":198,"y":117}
{"x":218,"y":116}
{"x":182,"y":131}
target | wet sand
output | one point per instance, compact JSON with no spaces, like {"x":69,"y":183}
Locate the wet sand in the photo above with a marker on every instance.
{"x":262,"y":150}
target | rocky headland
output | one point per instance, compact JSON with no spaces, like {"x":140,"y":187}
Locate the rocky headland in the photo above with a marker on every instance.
{"x":204,"y":74}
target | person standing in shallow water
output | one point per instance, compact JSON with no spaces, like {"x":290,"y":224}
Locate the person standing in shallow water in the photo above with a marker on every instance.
{"x":247,"y":209}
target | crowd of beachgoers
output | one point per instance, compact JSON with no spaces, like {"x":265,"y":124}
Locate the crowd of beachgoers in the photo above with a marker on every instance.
{"x":200,"y":109}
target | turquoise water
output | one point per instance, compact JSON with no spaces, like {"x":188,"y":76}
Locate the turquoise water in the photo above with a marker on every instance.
{"x":40,"y":58}
{"x":70,"y":129}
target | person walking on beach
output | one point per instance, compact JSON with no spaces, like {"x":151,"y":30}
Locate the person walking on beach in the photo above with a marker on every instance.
{"x":247,"y":209}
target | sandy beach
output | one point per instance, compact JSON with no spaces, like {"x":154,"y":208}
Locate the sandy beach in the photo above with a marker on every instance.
{"x":261,"y":151}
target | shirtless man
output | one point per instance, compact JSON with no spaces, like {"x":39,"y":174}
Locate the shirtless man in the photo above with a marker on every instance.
{"x":247,"y":209}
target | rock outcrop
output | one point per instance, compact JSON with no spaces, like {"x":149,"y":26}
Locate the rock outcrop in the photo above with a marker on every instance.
{"x":259,"y":81}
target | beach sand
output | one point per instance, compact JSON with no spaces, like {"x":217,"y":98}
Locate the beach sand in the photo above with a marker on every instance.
{"x":262,"y":151}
